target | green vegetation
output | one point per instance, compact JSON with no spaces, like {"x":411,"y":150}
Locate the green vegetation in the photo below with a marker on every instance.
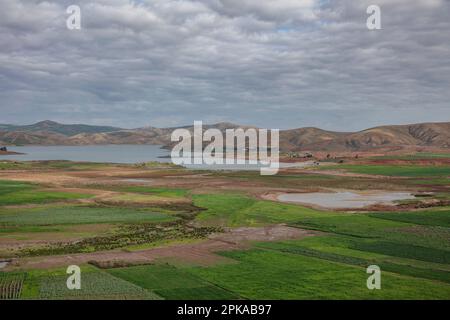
{"x":13,"y":165}
{"x":25,"y":197}
{"x":408,"y":243}
{"x":417,"y":156}
{"x":238,"y":210}
{"x":404,"y":250}
{"x":7,"y":187}
{"x":305,"y":179}
{"x":16,"y":193}
{"x":78,"y":215}
{"x":11,"y":285}
{"x":392,"y":170}
{"x":436,"y":217}
{"x":263,"y":274}
{"x":126,"y":236}
{"x":75,"y":166}
{"x":364,"y":226}
{"x":412,"y":248}
{"x":172,"y":283}
{"x":95,"y":285}
{"x":431,"y":181}
{"x":55,"y":164}
{"x":353,"y":251}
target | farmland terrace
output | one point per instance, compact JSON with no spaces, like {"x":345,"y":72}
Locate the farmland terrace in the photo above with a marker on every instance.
{"x":157,"y":231}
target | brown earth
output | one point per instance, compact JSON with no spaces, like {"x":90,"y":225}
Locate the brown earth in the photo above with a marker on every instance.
{"x":22,"y":240}
{"x":201,"y":253}
{"x":5,"y":153}
{"x":382,"y":139}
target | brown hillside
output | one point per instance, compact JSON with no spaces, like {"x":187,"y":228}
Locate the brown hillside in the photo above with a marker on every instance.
{"x":313,"y":139}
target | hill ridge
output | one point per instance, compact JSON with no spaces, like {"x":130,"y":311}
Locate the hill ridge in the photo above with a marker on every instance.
{"x":47,"y":132}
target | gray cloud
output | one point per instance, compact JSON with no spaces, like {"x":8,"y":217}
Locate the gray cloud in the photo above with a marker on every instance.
{"x":272,"y":63}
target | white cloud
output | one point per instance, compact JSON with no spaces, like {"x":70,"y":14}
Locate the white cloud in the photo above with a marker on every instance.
{"x":272,"y":63}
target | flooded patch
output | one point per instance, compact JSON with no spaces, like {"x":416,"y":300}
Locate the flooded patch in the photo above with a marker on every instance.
{"x":346,"y":199}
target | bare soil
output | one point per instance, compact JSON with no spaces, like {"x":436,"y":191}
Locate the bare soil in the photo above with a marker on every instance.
{"x":201,"y":253}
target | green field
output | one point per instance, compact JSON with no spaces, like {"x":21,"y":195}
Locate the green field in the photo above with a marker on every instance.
{"x":438,"y":217}
{"x":237,"y":210}
{"x":172,"y":283}
{"x":263,"y":274}
{"x":95,"y":284}
{"x":78,"y":215}
{"x":412,"y":247}
{"x":16,"y":193}
{"x":417,"y":156}
{"x":11,"y":285}
{"x":400,"y":171}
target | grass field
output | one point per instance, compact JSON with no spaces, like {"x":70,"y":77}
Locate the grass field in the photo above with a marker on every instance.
{"x":11,"y":285}
{"x":417,"y":156}
{"x":438,"y":217}
{"x":263,"y":274}
{"x":78,"y":215}
{"x":237,"y":210}
{"x":95,"y":284}
{"x":172,"y":283}
{"x":400,"y":170}
{"x":16,"y":193}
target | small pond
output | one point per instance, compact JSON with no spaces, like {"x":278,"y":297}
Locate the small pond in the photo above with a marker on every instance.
{"x":345,"y":199}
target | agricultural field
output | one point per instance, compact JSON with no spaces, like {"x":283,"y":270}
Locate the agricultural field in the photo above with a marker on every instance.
{"x":162,"y":232}
{"x":64,"y":215}
{"x":13,"y":193}
{"x":171,"y":282}
{"x":399,"y":171}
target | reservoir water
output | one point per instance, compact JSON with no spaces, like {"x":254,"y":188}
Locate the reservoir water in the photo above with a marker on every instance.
{"x":102,"y":153}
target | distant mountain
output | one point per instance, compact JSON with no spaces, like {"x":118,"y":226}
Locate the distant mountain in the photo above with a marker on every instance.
{"x":307,"y":138}
{"x":55,"y":127}
{"x":313,"y":139}
{"x":424,"y":134}
{"x":31,"y":138}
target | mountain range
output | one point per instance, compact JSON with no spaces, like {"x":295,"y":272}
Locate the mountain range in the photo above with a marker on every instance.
{"x":314,"y":139}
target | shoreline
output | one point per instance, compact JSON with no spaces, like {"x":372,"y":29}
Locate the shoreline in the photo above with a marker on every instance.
{"x":9,"y":153}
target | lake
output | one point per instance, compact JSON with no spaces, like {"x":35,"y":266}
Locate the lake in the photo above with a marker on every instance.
{"x":127,"y":154}
{"x":102,"y":153}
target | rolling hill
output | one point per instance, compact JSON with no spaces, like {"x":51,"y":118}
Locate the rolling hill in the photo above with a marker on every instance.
{"x":55,"y":127}
{"x":314,"y":139}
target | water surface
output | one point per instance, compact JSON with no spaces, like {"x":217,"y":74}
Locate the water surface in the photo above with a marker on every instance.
{"x":345,"y":199}
{"x":102,"y":153}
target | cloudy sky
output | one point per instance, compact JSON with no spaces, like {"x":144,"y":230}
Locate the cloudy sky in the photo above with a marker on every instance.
{"x":271,"y":63}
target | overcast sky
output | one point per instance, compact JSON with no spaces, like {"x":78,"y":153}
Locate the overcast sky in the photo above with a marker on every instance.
{"x":270,"y":63}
